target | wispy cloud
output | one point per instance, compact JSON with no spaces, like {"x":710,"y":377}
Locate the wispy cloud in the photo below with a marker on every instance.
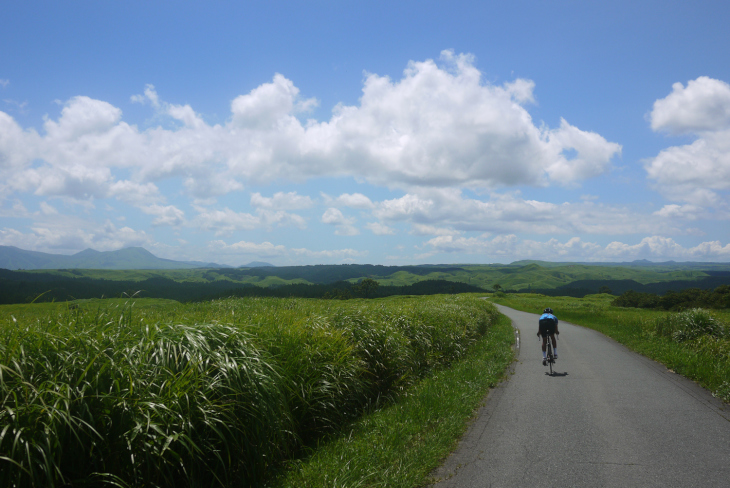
{"x":281,"y":201}
{"x":266,"y":250}
{"x":227,"y":221}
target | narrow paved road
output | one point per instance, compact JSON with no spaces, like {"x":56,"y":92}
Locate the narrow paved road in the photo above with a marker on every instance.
{"x":610,"y":417}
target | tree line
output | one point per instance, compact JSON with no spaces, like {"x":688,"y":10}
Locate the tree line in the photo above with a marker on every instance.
{"x":676,"y":300}
{"x":18,"y":287}
{"x":581,"y":288}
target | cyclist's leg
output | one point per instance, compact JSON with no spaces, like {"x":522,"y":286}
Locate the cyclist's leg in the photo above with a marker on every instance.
{"x":544,"y":347}
{"x":543,"y":333}
{"x":555,"y":344}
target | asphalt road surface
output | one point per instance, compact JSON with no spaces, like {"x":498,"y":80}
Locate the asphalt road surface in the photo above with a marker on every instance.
{"x":608,"y":417}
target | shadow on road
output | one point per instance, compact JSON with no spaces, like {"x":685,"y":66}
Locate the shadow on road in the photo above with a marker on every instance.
{"x":556,"y":373}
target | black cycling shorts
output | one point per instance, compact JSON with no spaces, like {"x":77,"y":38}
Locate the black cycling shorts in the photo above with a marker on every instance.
{"x":547,"y":327}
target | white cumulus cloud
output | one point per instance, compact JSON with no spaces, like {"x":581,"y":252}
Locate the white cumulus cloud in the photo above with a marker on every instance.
{"x":448,"y":211}
{"x":696,"y":173}
{"x":439,"y":125}
{"x":510,"y":247}
{"x":354,"y":200}
{"x":150,"y":96}
{"x":268,"y":104}
{"x":703,"y":105}
{"x":666,"y":248}
{"x":442,"y":126}
{"x":334,"y":216}
{"x":17,"y":146}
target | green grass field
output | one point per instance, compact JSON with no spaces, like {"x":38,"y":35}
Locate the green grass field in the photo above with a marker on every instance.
{"x":226,"y":393}
{"x":693,"y":343}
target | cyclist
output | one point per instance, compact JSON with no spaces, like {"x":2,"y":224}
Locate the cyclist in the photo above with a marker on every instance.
{"x":548,"y":326}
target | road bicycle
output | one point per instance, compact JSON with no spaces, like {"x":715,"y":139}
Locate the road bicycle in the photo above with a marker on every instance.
{"x":549,"y":355}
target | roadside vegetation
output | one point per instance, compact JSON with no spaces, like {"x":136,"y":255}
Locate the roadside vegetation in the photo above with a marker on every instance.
{"x":693,"y":342}
{"x":400,"y":445}
{"x":232,"y":392}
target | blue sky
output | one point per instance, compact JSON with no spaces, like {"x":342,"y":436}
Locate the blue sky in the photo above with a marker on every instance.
{"x":325,"y":132}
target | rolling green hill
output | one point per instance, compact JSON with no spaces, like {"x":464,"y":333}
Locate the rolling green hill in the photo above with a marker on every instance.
{"x":135,"y":269}
{"x":530,"y":277}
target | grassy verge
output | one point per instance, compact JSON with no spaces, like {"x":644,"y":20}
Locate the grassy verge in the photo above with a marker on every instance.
{"x":398,"y":446}
{"x":158,"y":393}
{"x":703,"y":357}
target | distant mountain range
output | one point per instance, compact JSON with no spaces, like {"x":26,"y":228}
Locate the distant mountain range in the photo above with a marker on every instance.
{"x":639,"y":263}
{"x":14,"y":258}
{"x":257,"y":264}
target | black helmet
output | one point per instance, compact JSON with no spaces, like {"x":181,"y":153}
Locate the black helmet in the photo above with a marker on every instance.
{"x":548,"y":310}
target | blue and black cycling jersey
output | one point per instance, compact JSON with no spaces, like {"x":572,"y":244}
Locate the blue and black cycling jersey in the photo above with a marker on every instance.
{"x":548,"y":324}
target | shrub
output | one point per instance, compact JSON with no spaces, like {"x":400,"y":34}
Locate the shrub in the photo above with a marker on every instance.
{"x":636,"y":300}
{"x":689,"y":325}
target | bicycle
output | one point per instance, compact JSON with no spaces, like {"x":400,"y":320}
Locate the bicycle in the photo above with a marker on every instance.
{"x":549,"y":355}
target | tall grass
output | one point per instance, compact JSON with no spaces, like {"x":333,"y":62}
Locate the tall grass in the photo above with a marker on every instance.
{"x":400,"y":445}
{"x":211,"y":394}
{"x":155,"y":405}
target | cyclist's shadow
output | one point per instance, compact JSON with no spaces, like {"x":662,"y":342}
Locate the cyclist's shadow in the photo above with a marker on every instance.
{"x":555,"y":373}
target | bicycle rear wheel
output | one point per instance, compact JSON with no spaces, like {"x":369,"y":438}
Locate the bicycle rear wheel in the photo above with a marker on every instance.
{"x":550,"y":358}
